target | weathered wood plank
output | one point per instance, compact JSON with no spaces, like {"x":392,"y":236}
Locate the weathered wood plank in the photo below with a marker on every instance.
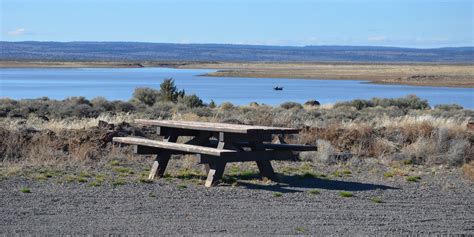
{"x":153,"y":170}
{"x":218,"y":127}
{"x":172,"y":146}
{"x":216,"y":170}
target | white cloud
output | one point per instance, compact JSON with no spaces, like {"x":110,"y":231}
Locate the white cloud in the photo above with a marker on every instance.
{"x":377,"y":38}
{"x":19,"y":31}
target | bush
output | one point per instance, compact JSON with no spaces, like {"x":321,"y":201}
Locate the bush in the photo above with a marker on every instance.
{"x":191,"y":101}
{"x":254,"y":104}
{"x":102,"y":104}
{"x":226,"y":106}
{"x":407,"y":102}
{"x":202,"y":111}
{"x":123,"y":106}
{"x":448,"y":107}
{"x":291,"y":105}
{"x":169,"y":92}
{"x":146,"y":96}
{"x":77,"y":100}
{"x":312,"y":103}
{"x":212,"y":104}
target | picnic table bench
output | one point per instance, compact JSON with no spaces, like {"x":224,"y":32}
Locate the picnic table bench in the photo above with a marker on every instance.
{"x":215,"y":145}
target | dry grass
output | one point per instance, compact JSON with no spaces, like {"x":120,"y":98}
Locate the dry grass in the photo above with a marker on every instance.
{"x":468,"y":170}
{"x":61,"y":124}
{"x":410,"y":137}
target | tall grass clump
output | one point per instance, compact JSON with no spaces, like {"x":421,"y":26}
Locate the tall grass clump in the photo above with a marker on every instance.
{"x":407,"y":102}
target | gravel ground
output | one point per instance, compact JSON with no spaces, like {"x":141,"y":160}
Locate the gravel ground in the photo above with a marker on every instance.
{"x":438,"y":204}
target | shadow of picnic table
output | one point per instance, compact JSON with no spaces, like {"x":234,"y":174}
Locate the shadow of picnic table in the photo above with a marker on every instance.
{"x":292,"y":184}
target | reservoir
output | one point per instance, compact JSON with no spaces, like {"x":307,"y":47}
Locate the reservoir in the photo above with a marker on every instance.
{"x":119,"y":83}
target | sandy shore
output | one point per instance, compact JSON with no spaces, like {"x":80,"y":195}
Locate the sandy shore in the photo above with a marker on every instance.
{"x":445,"y":75}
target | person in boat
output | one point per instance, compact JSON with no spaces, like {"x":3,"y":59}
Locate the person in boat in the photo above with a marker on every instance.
{"x":277,"y":88}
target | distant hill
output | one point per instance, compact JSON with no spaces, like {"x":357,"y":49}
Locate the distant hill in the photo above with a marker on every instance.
{"x":134,"y":51}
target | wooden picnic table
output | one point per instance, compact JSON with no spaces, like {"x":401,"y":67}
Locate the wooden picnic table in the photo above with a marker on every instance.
{"x":215,"y":145}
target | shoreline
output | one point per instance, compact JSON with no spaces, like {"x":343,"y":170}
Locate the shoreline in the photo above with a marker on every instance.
{"x":429,"y":74}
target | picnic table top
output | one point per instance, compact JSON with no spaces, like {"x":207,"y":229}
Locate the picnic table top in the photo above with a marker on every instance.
{"x":218,"y":127}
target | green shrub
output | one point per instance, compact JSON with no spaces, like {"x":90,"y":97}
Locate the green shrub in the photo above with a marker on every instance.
{"x":212,"y":104}
{"x":169,"y":91}
{"x":146,"y":96}
{"x":377,"y":200}
{"x":102,"y":104}
{"x":121,"y":106}
{"x":447,"y":107}
{"x":77,"y":100}
{"x":407,"y":102}
{"x":226,"y":106}
{"x":191,"y":101}
{"x":346,"y":194}
{"x":413,"y":178}
{"x":291,"y":105}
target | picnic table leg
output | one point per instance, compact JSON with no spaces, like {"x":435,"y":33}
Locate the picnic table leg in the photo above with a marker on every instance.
{"x":216,"y":170}
{"x":161,"y":161}
{"x":159,"y":166}
{"x":264,"y":166}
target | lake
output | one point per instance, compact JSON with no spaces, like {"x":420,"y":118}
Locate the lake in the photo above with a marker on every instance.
{"x":119,"y":83}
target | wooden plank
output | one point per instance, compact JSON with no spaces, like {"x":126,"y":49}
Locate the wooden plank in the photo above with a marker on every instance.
{"x":248,"y":156}
{"x":290,"y":147}
{"x":216,"y":170}
{"x":163,"y":159}
{"x":153,"y":170}
{"x":172,"y":146}
{"x":218,"y":127}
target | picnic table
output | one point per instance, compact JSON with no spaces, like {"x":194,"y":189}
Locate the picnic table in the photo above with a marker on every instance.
{"x":215,"y":145}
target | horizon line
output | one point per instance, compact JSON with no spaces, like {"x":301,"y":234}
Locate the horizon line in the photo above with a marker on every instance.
{"x":240,"y":44}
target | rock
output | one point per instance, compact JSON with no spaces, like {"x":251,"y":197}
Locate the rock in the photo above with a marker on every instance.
{"x":470,"y":126}
{"x":105,"y":125}
{"x":312,"y":103}
{"x":43,"y":118}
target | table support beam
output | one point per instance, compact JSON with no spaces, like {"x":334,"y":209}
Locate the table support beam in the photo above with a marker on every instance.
{"x":264,"y":166}
{"x":216,"y":170}
{"x":161,"y":161}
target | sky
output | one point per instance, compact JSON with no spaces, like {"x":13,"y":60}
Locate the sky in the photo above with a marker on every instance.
{"x":401,"y":23}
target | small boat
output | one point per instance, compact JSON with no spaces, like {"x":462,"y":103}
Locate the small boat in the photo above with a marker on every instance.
{"x":278,"y":88}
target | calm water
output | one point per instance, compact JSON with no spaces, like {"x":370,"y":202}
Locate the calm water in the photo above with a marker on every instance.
{"x":115,"y":83}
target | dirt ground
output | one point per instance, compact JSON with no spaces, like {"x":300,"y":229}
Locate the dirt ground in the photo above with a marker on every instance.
{"x":437,"y":204}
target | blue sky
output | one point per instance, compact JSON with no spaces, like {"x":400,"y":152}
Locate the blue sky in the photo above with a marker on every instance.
{"x":405,"y":23}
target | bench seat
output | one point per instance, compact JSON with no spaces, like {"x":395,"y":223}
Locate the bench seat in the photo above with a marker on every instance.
{"x":172,"y":146}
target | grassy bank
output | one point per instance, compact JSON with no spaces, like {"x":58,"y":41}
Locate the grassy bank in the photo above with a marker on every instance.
{"x":44,"y":137}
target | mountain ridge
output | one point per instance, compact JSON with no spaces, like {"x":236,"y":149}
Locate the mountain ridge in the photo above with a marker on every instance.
{"x":143,"y":51}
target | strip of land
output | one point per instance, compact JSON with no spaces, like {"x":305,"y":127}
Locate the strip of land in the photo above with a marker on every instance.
{"x":444,"y":75}
{"x":405,"y":74}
